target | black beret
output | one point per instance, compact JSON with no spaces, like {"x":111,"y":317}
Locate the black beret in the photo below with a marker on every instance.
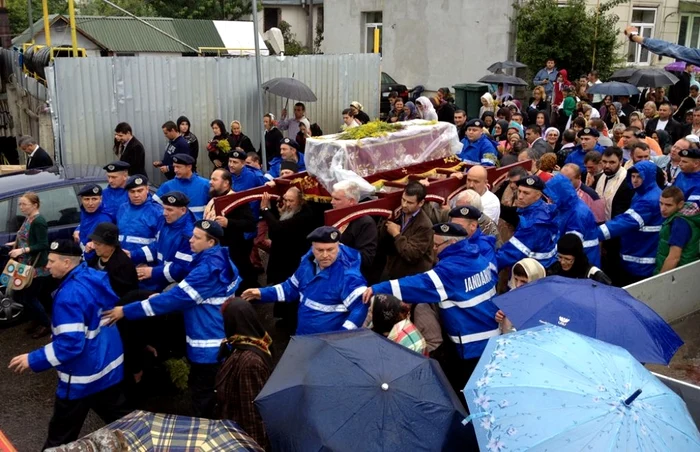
{"x":588,"y":131}
{"x":238,"y":155}
{"x":212,"y":228}
{"x":467,"y":212}
{"x":107,"y":233}
{"x":690,"y":153}
{"x":289,"y":165}
{"x":137,"y":180}
{"x":450,"y":230}
{"x":324,"y":234}
{"x":175,"y":199}
{"x":65,"y":247}
{"x":475,"y":123}
{"x":290,"y":142}
{"x":116,"y":166}
{"x":183,"y":159}
{"x":531,"y":182}
{"x":90,"y":190}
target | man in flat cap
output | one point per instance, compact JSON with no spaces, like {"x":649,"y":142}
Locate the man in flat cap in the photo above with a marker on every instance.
{"x":477,"y":148}
{"x":588,"y":141}
{"x":88,"y":357}
{"x":689,"y":178}
{"x":168,"y":259}
{"x":462,"y":284}
{"x":537,"y":233}
{"x":186,"y":181}
{"x":92,"y":213}
{"x":141,"y":218}
{"x":289,"y":150}
{"x":212,"y":279}
{"x":115,"y":195}
{"x":328,"y":285}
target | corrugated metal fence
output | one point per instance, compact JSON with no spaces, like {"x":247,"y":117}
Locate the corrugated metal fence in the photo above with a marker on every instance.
{"x":90,"y":96}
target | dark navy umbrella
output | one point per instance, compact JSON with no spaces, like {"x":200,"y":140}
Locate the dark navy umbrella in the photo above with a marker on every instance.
{"x":595,"y":310}
{"x":358,"y":391}
{"x":613,"y":89}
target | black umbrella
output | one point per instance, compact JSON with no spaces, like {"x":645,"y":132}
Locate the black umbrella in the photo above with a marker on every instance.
{"x":613,"y":89}
{"x":290,"y":88}
{"x":651,"y":78}
{"x":621,"y":75}
{"x":503,"y":78}
{"x":505,"y":65}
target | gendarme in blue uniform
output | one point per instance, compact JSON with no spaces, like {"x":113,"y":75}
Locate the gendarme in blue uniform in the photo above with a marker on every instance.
{"x":689,"y":183}
{"x":88,"y":357}
{"x":88,"y":223}
{"x":480,"y":152}
{"x":113,"y":199}
{"x":277,"y":161}
{"x":138,"y":225}
{"x":196,"y":188}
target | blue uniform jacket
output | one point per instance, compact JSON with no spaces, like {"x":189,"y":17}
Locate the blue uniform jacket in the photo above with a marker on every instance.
{"x":464,"y":285}
{"x":113,"y":199}
{"x":88,"y":223}
{"x":178,"y":146}
{"x":88,"y":357}
{"x":576,"y":156}
{"x":535,"y":237}
{"x":196,"y":188}
{"x":330,"y":300}
{"x":170,"y":255}
{"x":481,"y":152}
{"x":639,"y":226}
{"x":689,"y":183}
{"x":573,"y":216}
{"x":487,"y":248}
{"x":277,"y":161}
{"x":199,"y":296}
{"x":138,"y":225}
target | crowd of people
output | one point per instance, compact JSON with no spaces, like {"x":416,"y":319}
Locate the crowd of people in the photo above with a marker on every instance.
{"x":611,"y":195}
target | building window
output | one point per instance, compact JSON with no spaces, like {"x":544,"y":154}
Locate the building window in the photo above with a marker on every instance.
{"x":271,"y":18}
{"x":644,"y":19}
{"x":689,"y":32}
{"x":372,"y":22}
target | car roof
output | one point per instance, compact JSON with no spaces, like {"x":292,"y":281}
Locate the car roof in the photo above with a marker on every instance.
{"x":17,"y":183}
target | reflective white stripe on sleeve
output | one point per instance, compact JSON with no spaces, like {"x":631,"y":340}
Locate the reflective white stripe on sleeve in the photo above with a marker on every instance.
{"x":295,"y":282}
{"x":147,"y":252}
{"x":651,"y":229}
{"x":203,"y":343}
{"x":197,"y":209}
{"x":121,"y":237}
{"x":183,"y":256}
{"x":157,"y":199}
{"x":348,"y":325}
{"x":576,"y":233}
{"x":68,"y":328}
{"x":350,"y":299}
{"x":85,"y":379}
{"x":189,"y":290}
{"x":528,"y":252}
{"x":395,"y":288}
{"x":693,"y":197}
{"x":51,"y":355}
{"x":216,"y":301}
{"x":475,"y":337}
{"x":233,"y":284}
{"x":166,"y":272}
{"x":474,"y":301}
{"x":636,"y":217}
{"x":92,"y":334}
{"x":438,"y":284}
{"x":590,"y":243}
{"x":160,"y":257}
{"x":638,"y":260}
{"x":82,"y":247}
{"x":280,"y":292}
{"x":138,"y":240}
{"x":606,"y":232}
{"x":146,"y":306}
{"x":316,"y":306}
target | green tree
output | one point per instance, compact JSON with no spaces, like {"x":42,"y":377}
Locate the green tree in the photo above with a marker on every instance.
{"x":100,"y":8}
{"x":578,"y":38}
{"x":203,"y":9}
{"x":291,"y":45}
{"x":17,"y":11}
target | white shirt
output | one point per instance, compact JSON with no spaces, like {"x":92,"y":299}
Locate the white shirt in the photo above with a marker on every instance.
{"x":34,"y":151}
{"x":661,"y":125}
{"x":597,"y":98}
{"x":491,"y":205}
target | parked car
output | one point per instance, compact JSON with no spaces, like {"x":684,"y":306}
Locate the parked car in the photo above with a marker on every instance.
{"x":57,"y":188}
{"x":389,"y":85}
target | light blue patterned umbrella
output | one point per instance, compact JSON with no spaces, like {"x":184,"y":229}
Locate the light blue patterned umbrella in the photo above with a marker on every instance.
{"x":550,"y":389}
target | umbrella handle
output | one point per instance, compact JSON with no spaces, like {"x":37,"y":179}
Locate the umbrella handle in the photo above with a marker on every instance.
{"x":471,"y":417}
{"x":632,"y":398}
{"x":286,"y":102}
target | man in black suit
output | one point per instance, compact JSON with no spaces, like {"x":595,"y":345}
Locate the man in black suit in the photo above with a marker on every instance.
{"x":36,"y":156}
{"x":667,"y":123}
{"x":129,"y":149}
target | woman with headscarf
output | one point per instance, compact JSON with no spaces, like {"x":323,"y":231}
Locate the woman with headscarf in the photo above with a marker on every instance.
{"x":392,"y":319}
{"x":486,"y":104}
{"x":238,"y":140}
{"x":607,"y":102}
{"x":614,"y":115}
{"x":664,"y":139}
{"x":246,"y":367}
{"x":303,"y":134}
{"x":500,"y":131}
{"x":218,"y":154}
{"x":524,"y":271}
{"x":573,"y":263}
{"x":184,"y":126}
{"x":410,"y":112}
{"x":551,"y":136}
{"x":426,"y":109}
{"x":488,"y":119}
{"x":360,"y":115}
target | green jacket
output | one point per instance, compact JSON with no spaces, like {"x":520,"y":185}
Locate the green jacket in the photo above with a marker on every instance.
{"x":691,"y":251}
{"x":38,"y":242}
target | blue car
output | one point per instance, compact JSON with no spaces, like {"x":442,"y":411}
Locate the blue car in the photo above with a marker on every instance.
{"x":57,"y":188}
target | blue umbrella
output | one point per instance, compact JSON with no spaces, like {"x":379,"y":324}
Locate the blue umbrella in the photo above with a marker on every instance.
{"x":613,"y":89}
{"x":596,"y":310}
{"x":551,"y":389}
{"x":355,"y":391}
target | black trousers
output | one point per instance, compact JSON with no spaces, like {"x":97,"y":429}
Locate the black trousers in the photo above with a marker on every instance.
{"x":69,"y":415}
{"x":202,"y":381}
{"x":240,"y":255}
